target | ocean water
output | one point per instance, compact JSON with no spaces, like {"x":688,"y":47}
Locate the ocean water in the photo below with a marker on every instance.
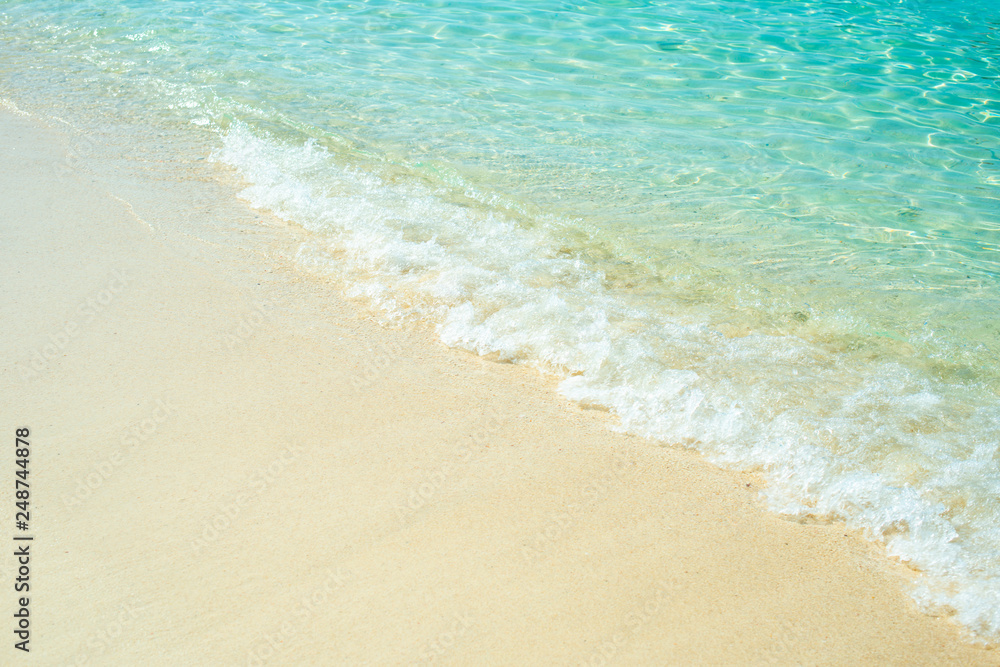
{"x":765,"y":230}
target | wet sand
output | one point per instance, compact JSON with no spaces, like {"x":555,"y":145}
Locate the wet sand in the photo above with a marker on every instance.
{"x":233,"y":465}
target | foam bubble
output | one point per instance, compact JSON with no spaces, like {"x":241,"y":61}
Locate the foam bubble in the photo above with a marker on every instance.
{"x":841,"y":433}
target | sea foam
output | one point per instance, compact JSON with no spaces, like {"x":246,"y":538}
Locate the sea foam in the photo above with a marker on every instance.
{"x":906,"y":458}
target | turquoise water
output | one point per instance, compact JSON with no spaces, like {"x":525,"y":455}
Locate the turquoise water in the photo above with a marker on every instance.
{"x":765,"y":230}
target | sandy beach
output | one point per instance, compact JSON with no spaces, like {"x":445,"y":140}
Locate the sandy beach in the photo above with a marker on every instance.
{"x":233,"y":465}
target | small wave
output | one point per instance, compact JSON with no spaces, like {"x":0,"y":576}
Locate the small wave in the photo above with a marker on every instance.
{"x":840,"y":433}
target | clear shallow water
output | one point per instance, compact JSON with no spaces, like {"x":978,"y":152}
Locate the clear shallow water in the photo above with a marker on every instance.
{"x":768,"y":231}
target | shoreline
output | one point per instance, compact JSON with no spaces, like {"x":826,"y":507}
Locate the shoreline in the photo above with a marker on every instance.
{"x":234,"y":465}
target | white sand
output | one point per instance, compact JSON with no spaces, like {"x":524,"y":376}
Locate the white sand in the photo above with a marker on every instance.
{"x":231,"y":465}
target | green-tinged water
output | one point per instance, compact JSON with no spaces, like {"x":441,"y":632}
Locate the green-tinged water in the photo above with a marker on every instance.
{"x":766,"y":230}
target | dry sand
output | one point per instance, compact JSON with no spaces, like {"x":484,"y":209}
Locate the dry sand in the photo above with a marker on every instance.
{"x":232,"y":465}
